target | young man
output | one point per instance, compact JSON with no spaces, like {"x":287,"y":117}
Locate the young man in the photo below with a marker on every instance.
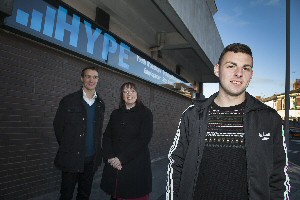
{"x":78,"y":130}
{"x":230,"y":146}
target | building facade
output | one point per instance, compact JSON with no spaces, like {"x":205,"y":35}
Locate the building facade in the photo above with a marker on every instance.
{"x":168,"y":48}
{"x":278,"y":102}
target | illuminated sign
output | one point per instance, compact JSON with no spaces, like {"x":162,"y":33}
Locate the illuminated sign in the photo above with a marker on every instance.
{"x":68,"y":29}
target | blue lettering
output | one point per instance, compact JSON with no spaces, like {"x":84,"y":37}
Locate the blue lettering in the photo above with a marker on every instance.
{"x":22,"y":17}
{"x":109,"y":45}
{"x":36,"y":20}
{"x":92,"y":37}
{"x":62,"y":25}
{"x":49,"y":21}
{"x":123,"y":55}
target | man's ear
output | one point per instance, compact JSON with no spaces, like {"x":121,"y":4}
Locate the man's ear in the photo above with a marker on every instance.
{"x":81,"y":79}
{"x":216,"y":70}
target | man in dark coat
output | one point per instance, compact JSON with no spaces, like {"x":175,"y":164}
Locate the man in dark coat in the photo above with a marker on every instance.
{"x":78,"y":129}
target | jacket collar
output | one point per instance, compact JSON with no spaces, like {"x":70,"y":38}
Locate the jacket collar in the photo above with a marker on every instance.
{"x":254,"y":104}
{"x":251,"y":104}
{"x":133,"y":109}
{"x":98,"y":99}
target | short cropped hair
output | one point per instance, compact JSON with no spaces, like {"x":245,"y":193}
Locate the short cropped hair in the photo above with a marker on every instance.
{"x":236,"y":48}
{"x":89,"y":67}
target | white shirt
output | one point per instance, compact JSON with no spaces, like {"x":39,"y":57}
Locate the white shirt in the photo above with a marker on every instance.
{"x":88,"y":100}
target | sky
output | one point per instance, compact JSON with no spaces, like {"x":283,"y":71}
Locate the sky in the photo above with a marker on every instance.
{"x":261,"y":24}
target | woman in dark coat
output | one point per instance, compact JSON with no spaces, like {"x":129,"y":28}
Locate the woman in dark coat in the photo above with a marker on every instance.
{"x":127,"y":171}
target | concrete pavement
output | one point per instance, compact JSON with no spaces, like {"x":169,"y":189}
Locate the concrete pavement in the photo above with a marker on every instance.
{"x":294,"y":174}
{"x":159,"y":175}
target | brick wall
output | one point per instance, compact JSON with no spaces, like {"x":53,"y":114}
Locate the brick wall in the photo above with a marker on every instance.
{"x":33,"y":79}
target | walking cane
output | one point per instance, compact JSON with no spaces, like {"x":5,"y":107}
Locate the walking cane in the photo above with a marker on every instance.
{"x":116,"y":189}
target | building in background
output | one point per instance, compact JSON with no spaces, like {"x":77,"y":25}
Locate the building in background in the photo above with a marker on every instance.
{"x":167,"y":48}
{"x":278,"y":102}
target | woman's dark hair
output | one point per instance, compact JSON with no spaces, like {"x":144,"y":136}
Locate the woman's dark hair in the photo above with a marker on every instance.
{"x":236,"y":48}
{"x":130,"y":86}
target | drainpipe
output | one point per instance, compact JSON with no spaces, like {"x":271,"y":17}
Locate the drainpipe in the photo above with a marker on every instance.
{"x":287,"y":75}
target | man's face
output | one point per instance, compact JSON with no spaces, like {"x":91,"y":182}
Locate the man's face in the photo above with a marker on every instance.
{"x":90,"y":79}
{"x":235,"y":73}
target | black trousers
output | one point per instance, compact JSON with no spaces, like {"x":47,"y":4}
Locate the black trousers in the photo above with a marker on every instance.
{"x":84,"y":180}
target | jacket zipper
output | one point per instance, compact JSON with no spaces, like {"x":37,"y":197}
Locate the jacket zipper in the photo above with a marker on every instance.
{"x":247,"y":154}
{"x":198,"y":159}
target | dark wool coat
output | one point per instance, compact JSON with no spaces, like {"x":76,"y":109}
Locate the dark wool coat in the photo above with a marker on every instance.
{"x":127,"y":136}
{"x":70,"y":126}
